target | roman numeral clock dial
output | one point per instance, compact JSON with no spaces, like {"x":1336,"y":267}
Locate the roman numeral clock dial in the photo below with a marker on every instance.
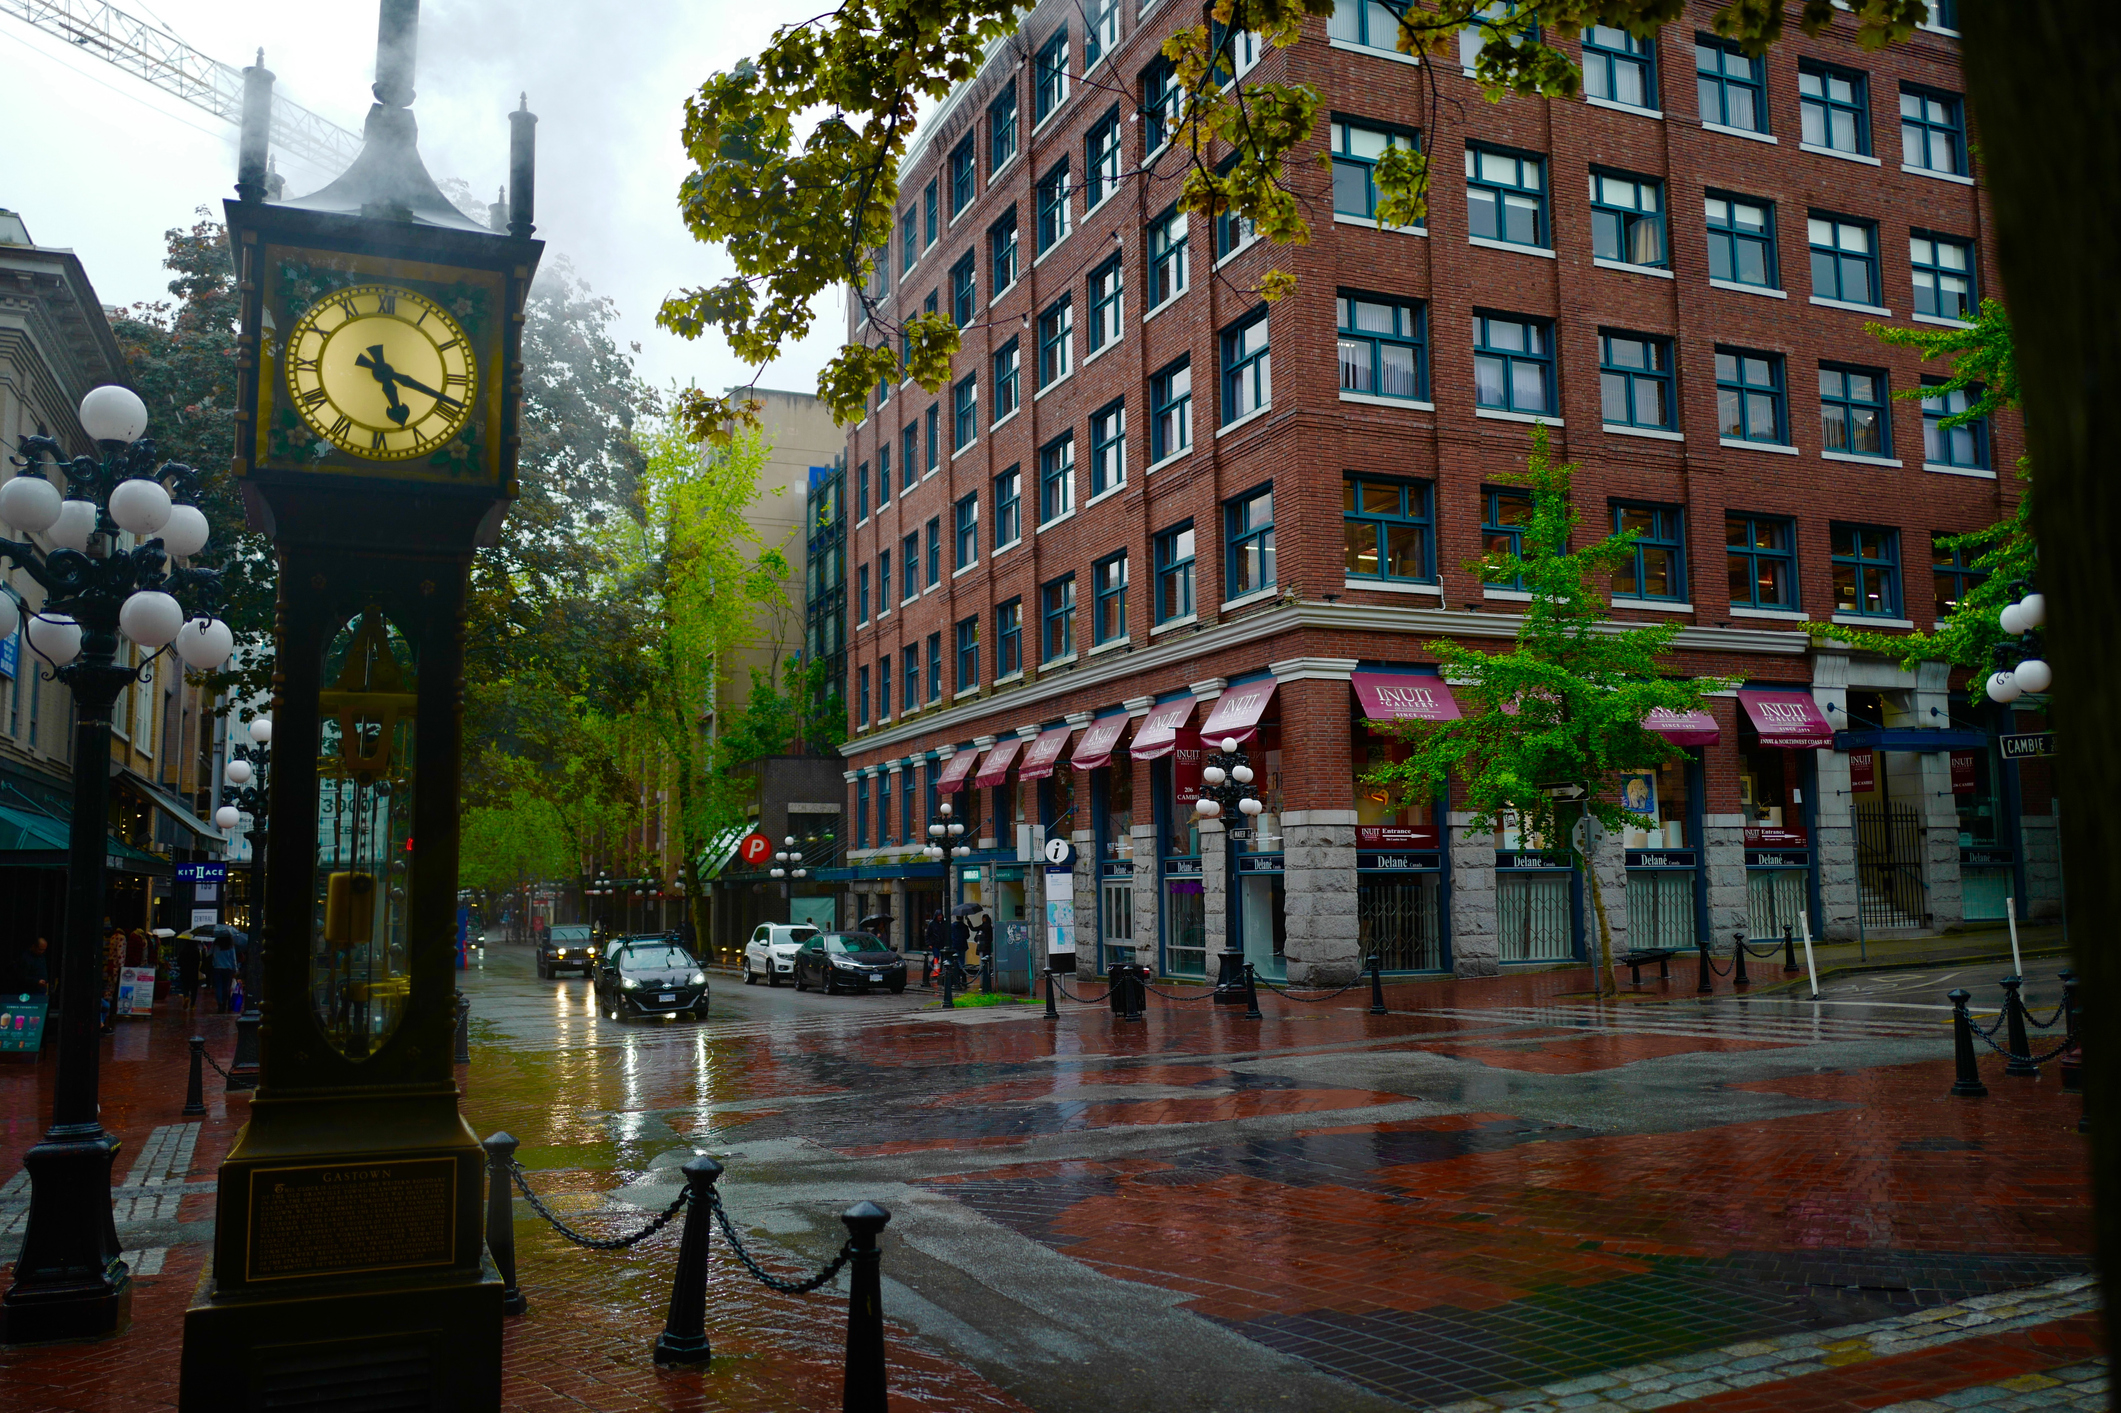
{"x":381,"y":373}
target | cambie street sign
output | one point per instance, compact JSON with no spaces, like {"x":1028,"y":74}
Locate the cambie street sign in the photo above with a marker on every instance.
{"x":2027,"y":745}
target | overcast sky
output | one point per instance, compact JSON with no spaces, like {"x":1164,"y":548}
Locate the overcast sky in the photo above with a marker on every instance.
{"x":109,"y":162}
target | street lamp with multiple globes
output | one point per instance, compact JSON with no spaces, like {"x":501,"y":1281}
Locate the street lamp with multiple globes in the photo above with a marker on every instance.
{"x":788,"y":863}
{"x":69,"y":1281}
{"x":2021,"y":620}
{"x":1226,"y":786}
{"x":244,"y":793}
{"x":950,"y":829}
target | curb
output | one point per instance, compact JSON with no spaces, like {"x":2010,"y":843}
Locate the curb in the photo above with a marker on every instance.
{"x":1859,"y":968}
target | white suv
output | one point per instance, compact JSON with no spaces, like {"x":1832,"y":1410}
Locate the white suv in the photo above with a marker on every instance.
{"x":771,"y":951}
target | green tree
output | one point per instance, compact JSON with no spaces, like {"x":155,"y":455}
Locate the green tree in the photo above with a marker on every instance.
{"x":1562,"y":710}
{"x":795,"y":156}
{"x":1984,"y":365}
{"x":701,"y":578}
{"x":787,"y":712}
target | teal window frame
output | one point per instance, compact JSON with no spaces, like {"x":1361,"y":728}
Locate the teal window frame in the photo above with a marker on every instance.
{"x":1168,"y":235}
{"x":1008,"y":378}
{"x":1368,"y":24}
{"x":1100,"y":31}
{"x":861,"y":493}
{"x":1866,"y":560}
{"x":1730,"y":86}
{"x":1247,"y":368}
{"x":909,"y":677}
{"x":1049,"y":75}
{"x":1356,"y":148}
{"x":1383,"y":345}
{"x":935,"y":550}
{"x":1627,"y":220}
{"x":1056,"y":478}
{"x":1248,"y":542}
{"x":1052,"y":206}
{"x":1001,"y":131}
{"x":1844,"y":253}
{"x":968,"y":653}
{"x":1162,"y":103}
{"x":1002,"y":253}
{"x":1504,"y":512}
{"x":930,"y":226}
{"x":1506,"y":197}
{"x":1951,"y":576}
{"x":965,"y":524}
{"x":1008,"y":507}
{"x":883,"y":810}
{"x":1748,"y":382}
{"x":1056,"y":341}
{"x":964,"y":291}
{"x":1108,"y":304}
{"x":1108,"y":599}
{"x":1388,"y":528}
{"x":1855,"y":411}
{"x":1056,"y":616}
{"x":910,"y":568}
{"x":1834,"y":108}
{"x":884,"y":706}
{"x":1943,"y":273}
{"x":1659,"y":545}
{"x":1633,"y":368}
{"x":1612,"y":60}
{"x":1760,"y":555}
{"x":1009,"y":638}
{"x":935,"y":667}
{"x":934,"y":419}
{"x":1108,"y":447}
{"x":1505,"y":348}
{"x":964,"y":176}
{"x":1737,"y":241}
{"x":1171,"y":410}
{"x":964,"y":412}
{"x":1963,"y":448}
{"x":1933,"y":130}
{"x":908,"y":822}
{"x":909,"y":239}
{"x":861,"y":785}
{"x":1101,"y":147}
{"x":1176,"y":563}
{"x":861,"y":593}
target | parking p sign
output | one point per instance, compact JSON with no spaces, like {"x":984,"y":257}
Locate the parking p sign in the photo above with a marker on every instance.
{"x":754,"y":848}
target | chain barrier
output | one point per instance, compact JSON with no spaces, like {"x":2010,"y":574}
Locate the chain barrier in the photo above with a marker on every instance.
{"x":2050,"y":1022}
{"x":767,"y":1278}
{"x":215,"y":1063}
{"x":2020,"y":1059}
{"x":1362,"y":979}
{"x":620,"y":1243}
{"x":1721,"y":971}
{"x":1975,"y":1022}
{"x":1087,"y":1001}
{"x":1761,"y":953}
{"x":1207,"y":995}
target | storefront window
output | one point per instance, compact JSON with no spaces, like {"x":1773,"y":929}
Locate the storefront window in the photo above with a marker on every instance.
{"x":1119,"y":811}
{"x":1379,"y":805}
{"x":1264,"y":752}
{"x":1662,"y":795}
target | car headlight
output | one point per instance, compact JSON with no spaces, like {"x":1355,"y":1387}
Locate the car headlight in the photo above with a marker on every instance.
{"x":699,"y":978}
{"x":844,"y":962}
{"x":628,"y":983}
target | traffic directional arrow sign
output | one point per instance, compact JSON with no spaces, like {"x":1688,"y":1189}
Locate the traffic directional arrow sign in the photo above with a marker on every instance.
{"x":1563,"y":792}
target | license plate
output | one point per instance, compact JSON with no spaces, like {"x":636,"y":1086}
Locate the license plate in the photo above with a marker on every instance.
{"x":876,"y":976}
{"x":668,"y":996}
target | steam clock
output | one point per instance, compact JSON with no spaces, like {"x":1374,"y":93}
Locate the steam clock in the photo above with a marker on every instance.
{"x":379,"y":383}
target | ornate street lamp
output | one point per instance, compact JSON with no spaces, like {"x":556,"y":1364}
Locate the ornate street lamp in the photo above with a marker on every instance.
{"x":245,"y":793}
{"x":2020,"y":668}
{"x":69,"y":1282}
{"x":1226,"y":788}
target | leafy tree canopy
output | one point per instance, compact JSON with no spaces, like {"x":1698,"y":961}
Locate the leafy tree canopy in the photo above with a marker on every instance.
{"x":796,"y":154}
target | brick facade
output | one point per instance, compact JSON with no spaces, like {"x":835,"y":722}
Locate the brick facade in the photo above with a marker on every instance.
{"x":1317,"y":623}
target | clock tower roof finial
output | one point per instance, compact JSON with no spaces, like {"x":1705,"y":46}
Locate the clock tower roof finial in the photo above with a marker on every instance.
{"x":388,"y":180}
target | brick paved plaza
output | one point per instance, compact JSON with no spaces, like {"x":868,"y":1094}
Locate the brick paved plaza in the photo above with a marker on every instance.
{"x":1498,"y":1195}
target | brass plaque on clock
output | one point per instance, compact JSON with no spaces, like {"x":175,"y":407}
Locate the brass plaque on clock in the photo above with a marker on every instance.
{"x":344,"y":1218}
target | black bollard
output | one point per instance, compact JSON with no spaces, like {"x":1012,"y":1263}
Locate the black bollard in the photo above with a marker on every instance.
{"x":463,"y":1055}
{"x":195,"y":1087}
{"x":501,"y":1218}
{"x":1738,"y":976}
{"x":948,"y":1004}
{"x":1052,"y":1011}
{"x":1967,"y":1084}
{"x":863,"y":1391}
{"x":2069,"y":1006}
{"x":1789,"y":953}
{"x":1132,"y":993}
{"x":1377,"y":986}
{"x":1702,"y":986}
{"x":684,"y":1336}
{"x":1251,"y":994}
{"x":2021,"y":1064}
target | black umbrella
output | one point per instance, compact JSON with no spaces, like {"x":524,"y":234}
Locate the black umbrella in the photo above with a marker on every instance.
{"x":874,"y":921}
{"x":968,"y":909}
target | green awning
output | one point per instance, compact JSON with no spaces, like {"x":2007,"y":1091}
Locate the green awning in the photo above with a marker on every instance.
{"x":32,"y":840}
{"x":720,"y":850}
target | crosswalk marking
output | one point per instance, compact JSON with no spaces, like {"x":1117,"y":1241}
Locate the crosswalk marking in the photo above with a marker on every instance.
{"x":1743,"y":1022}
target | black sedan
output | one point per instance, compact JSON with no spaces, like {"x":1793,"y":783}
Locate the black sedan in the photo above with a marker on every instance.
{"x":848,"y":961}
{"x":651,"y":978}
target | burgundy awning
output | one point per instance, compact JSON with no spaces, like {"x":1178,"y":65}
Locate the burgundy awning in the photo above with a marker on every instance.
{"x":1404,"y":696}
{"x":1791,"y":720}
{"x":1683,"y":728}
{"x":1045,"y":753}
{"x":956,"y":769}
{"x":1099,"y":741}
{"x":995,"y":768}
{"x":1158,"y":736}
{"x":1237,"y":712}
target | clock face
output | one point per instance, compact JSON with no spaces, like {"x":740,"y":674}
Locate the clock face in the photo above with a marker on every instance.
{"x":381,"y":372}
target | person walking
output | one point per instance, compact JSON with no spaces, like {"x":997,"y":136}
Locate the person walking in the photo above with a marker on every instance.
{"x":222,"y":965}
{"x":983,"y":939}
{"x":36,"y":968}
{"x":935,"y":939}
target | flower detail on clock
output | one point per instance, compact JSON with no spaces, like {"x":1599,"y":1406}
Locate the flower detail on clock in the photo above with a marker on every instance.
{"x":381,"y":372}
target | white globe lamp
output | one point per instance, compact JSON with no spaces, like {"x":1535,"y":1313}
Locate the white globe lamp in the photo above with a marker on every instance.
{"x":184,"y":533}
{"x":151,"y":618}
{"x":10,"y":615}
{"x":2033,"y":609}
{"x":2011,"y":620}
{"x":1250,"y":806}
{"x":30,"y":504}
{"x":2003,"y":687}
{"x":2033,"y":675}
{"x":205,"y":643}
{"x":113,"y":414}
{"x":55,"y":637}
{"x":239,"y":772}
{"x":139,"y":506}
{"x":261,"y":730}
{"x":76,"y":522}
{"x":228,"y":816}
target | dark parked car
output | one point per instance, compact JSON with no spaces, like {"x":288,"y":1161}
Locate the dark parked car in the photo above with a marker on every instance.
{"x":840,"y":961}
{"x":651,"y":977}
{"x":570,"y":947}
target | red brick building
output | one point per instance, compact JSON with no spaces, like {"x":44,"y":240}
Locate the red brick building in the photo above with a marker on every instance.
{"x":1146,"y":490}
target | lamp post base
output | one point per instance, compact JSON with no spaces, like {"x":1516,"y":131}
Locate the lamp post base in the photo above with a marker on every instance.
{"x":1230,"y":978}
{"x":69,"y":1283}
{"x":243,"y":1074}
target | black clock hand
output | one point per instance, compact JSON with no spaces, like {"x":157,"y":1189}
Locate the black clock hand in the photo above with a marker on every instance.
{"x":444,"y":398}
{"x":383,"y":373}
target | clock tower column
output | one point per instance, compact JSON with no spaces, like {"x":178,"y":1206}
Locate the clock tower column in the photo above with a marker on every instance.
{"x":379,"y":384}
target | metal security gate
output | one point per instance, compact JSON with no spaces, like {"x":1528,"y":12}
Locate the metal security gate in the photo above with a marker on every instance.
{"x":1532,"y":913}
{"x":1115,"y":901}
{"x":1396,"y":920}
{"x":1889,"y":886}
{"x":1661,"y":907}
{"x":1773,"y":898}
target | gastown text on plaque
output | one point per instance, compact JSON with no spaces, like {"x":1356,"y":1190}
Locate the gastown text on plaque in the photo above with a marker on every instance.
{"x":344,"y":1218}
